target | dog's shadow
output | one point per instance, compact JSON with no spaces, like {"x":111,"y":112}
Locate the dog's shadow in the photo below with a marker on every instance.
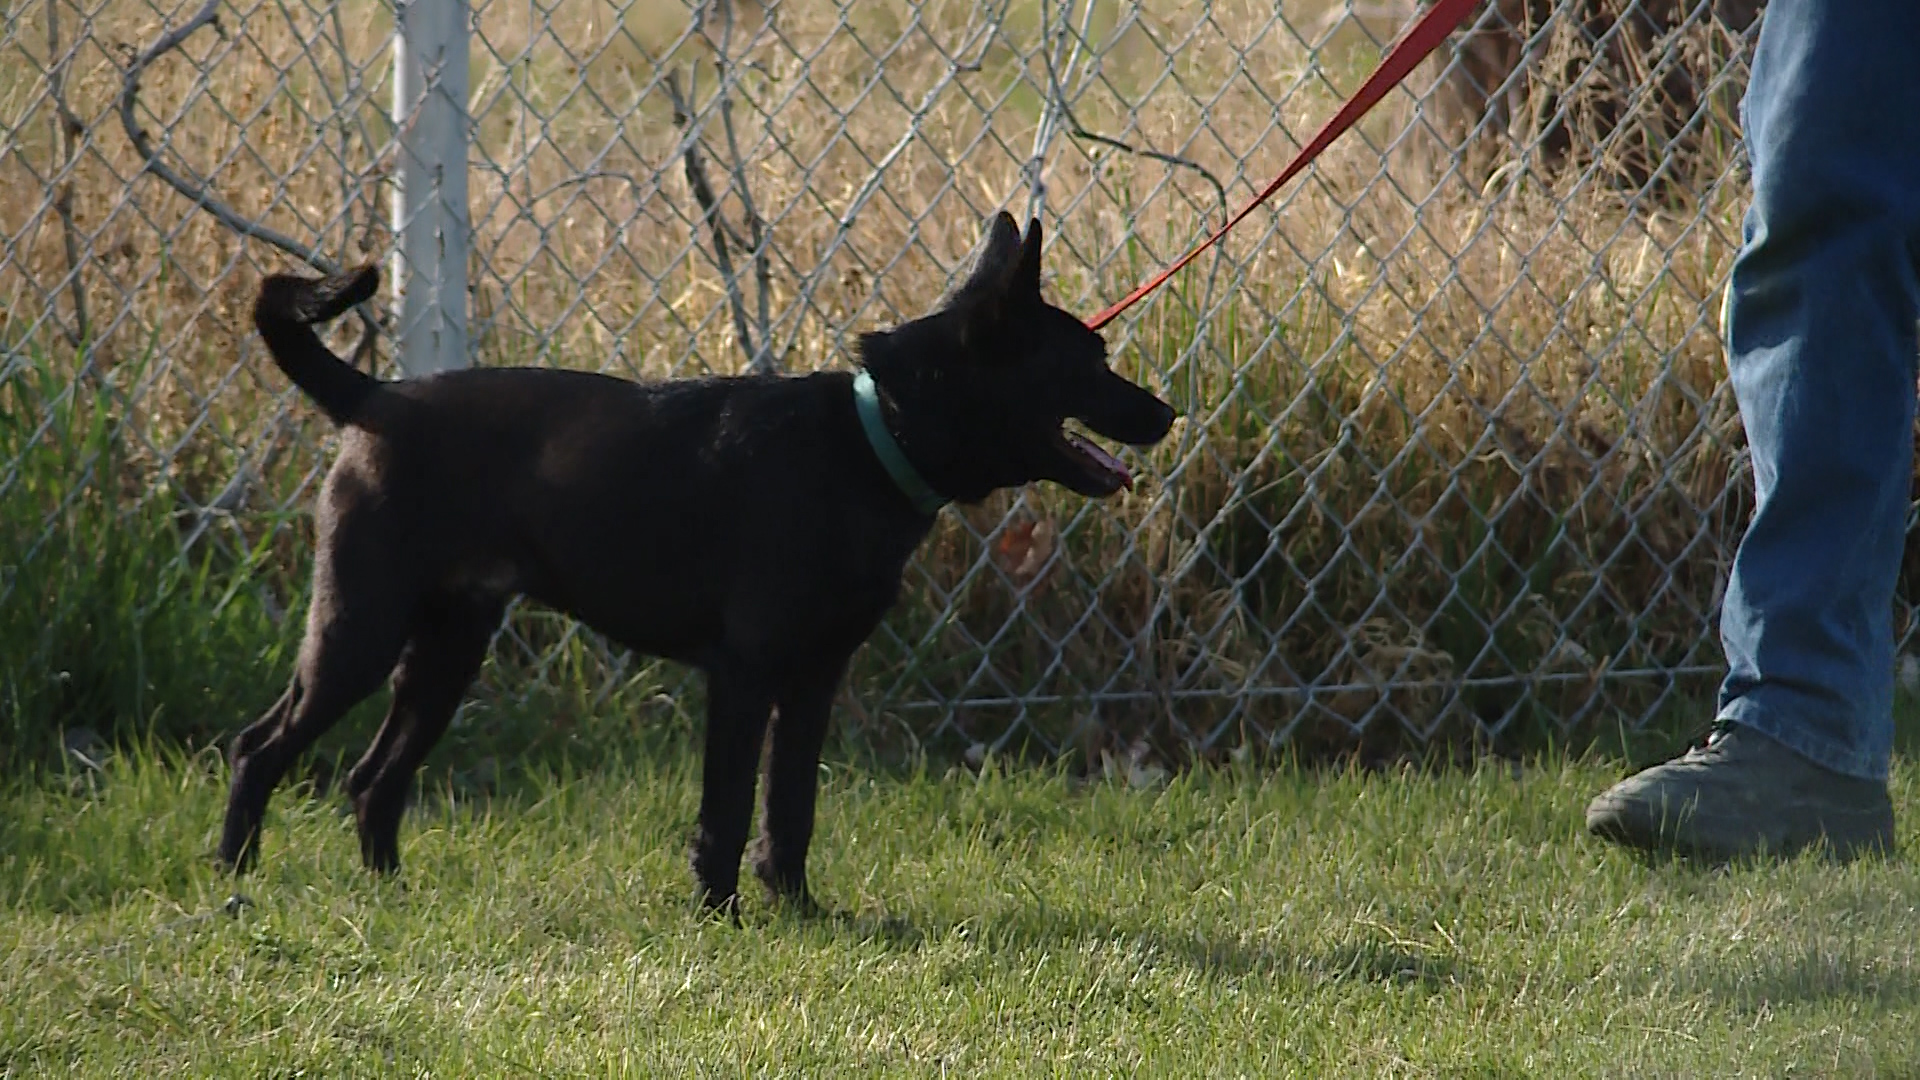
{"x":1799,"y":975}
{"x":1267,"y":955}
{"x":1786,"y":977}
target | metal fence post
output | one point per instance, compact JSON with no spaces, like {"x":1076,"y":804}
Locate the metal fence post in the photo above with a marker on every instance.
{"x":430,"y":213}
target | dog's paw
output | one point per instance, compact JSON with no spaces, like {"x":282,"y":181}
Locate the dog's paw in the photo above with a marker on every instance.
{"x":720,"y":909}
{"x":236,"y":860}
{"x":382,"y":860}
{"x":799,"y":905}
{"x":787,"y":891}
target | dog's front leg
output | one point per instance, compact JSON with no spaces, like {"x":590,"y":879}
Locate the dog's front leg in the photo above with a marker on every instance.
{"x":737,"y":708}
{"x":786,"y":826}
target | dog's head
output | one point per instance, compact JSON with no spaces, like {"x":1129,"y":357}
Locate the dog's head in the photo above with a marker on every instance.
{"x":987,"y":388}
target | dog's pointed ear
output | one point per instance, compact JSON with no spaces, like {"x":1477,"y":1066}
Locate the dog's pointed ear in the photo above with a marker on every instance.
{"x":1026,"y":272}
{"x":994,"y":262}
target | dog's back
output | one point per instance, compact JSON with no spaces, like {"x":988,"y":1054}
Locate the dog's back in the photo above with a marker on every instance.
{"x":652,"y":511}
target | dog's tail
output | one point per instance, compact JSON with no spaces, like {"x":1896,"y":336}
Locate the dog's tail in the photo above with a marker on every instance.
{"x":285,"y":313}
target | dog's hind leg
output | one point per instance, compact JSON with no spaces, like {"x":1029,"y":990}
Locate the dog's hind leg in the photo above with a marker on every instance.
{"x":737,"y":710}
{"x":786,"y":823}
{"x":450,"y":638}
{"x":351,"y":643}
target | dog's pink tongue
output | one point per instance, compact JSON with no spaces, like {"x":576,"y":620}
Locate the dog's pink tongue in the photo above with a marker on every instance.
{"x":1105,"y":460}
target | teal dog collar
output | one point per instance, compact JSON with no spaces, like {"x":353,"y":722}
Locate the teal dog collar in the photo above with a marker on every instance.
{"x":866,"y":398}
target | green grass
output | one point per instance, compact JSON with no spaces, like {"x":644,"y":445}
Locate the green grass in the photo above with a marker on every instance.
{"x":1231,"y":922}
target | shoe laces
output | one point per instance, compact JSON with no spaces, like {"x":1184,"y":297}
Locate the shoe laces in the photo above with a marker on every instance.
{"x":1707,"y":742}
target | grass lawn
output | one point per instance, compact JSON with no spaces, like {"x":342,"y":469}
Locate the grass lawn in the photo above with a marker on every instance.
{"x":1009,"y":923}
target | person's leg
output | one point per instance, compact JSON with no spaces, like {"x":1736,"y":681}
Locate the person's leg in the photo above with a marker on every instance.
{"x":1822,"y":352}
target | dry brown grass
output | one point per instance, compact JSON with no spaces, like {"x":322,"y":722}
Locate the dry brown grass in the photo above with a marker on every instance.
{"x":1435,"y":431}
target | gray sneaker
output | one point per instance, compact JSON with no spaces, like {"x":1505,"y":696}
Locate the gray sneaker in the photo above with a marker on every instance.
{"x":1743,"y":794}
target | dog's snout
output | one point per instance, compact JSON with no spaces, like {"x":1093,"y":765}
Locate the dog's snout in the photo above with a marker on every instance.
{"x":1156,"y":419}
{"x":1166,"y":419}
{"x":1129,"y":413}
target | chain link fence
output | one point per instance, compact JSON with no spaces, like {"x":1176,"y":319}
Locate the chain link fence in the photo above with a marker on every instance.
{"x":1456,"y":459}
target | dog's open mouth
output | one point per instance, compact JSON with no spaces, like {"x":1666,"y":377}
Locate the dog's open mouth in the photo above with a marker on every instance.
{"x":1097,"y":462}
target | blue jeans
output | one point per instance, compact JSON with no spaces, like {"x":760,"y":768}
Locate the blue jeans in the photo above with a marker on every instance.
{"x":1821,"y":351}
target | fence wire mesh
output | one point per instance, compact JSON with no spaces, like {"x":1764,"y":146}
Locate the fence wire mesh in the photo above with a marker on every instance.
{"x":1456,"y":452}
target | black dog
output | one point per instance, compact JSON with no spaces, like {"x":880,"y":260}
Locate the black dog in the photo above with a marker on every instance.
{"x":753,"y":527}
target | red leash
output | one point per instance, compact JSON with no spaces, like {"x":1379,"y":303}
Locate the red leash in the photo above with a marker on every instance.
{"x":1419,"y":39}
